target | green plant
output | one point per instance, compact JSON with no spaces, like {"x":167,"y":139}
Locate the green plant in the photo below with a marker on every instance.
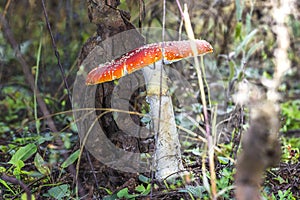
{"x":195,"y":191}
{"x":283,"y":195}
{"x":71,"y":159}
{"x":141,"y":190}
{"x":16,"y":102}
{"x":245,"y":46}
{"x":59,"y":192}
{"x":224,"y":182}
{"x":291,"y":113}
{"x":125,"y":194}
{"x":19,"y":157}
{"x":290,"y":150}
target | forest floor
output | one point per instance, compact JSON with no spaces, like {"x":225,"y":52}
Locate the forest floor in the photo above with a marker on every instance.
{"x":40,"y":146}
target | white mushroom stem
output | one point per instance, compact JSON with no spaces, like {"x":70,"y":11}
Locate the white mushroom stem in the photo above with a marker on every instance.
{"x":167,"y":158}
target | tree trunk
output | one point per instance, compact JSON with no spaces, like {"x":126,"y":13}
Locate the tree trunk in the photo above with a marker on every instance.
{"x":100,"y":49}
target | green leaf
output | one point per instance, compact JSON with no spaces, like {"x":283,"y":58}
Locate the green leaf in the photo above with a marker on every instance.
{"x":246,"y":40}
{"x":24,"y":197}
{"x":280,"y":180}
{"x":122,"y":193}
{"x":66,"y":140}
{"x":73,"y":127}
{"x":140,"y":188}
{"x":206,"y":183}
{"x":223,"y":160}
{"x":254,"y":48}
{"x":148,"y":189}
{"x":39,"y":163}
{"x":71,"y":159}
{"x":143,"y":190}
{"x":45,"y":138}
{"x":23,"y":153}
{"x":248,"y":22}
{"x":2,"y":169}
{"x":238,"y":31}
{"x":20,"y":164}
{"x":144,"y":179}
{"x":7,"y":186}
{"x":111,"y":197}
{"x":231,"y":70}
{"x":196,"y":191}
{"x":106,"y":190}
{"x":239,"y":9}
{"x":59,"y":192}
{"x":17,"y":170}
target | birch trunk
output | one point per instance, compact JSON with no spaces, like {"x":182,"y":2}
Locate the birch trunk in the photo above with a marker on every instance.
{"x":167,"y":157}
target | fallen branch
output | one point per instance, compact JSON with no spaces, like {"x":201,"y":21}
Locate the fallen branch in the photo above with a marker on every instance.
{"x":13,"y":180}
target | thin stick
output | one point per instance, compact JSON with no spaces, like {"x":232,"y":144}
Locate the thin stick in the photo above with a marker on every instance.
{"x":56,"y":52}
{"x":180,"y":9}
{"x":210,"y":147}
{"x":5,"y":10}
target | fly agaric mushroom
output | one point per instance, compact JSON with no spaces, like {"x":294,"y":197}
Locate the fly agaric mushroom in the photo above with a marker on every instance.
{"x":167,"y":154}
{"x":144,"y":56}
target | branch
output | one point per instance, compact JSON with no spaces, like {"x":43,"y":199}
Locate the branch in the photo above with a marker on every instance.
{"x":56,"y":53}
{"x":13,"y":180}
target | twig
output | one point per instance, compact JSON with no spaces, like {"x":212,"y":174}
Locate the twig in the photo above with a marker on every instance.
{"x":92,"y":167}
{"x":56,"y":52}
{"x":201,"y":83}
{"x":5,"y":10}
{"x":180,"y":9}
{"x":13,"y":180}
{"x":71,"y":168}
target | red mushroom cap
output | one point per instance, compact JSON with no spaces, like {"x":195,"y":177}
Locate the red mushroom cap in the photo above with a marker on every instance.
{"x":144,"y":56}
